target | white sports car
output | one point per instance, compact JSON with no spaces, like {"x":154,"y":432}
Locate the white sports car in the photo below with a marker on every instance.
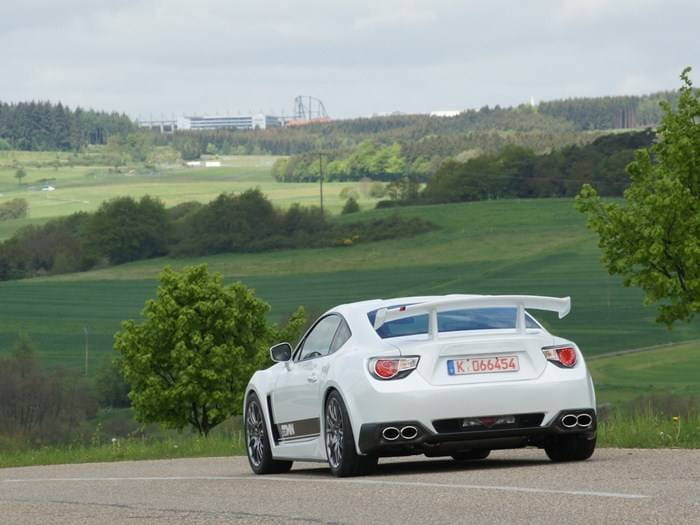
{"x":455,"y":375}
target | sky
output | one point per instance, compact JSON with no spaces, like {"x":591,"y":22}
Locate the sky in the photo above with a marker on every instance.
{"x":164,"y":58}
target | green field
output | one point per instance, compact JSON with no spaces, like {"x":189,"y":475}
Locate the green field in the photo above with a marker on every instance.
{"x":83,"y":188}
{"x":670,"y":370}
{"x":527,"y":246}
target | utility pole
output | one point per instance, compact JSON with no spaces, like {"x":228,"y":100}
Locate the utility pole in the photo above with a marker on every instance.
{"x":320,"y":178}
{"x":87,"y":346}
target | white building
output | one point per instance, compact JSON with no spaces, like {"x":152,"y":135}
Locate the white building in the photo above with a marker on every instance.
{"x":258,"y":121}
{"x":445,"y":113}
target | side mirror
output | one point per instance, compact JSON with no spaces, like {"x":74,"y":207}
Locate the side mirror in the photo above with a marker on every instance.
{"x":281,"y":353}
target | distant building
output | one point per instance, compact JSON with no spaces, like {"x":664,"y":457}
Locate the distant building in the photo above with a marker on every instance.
{"x":162,"y":126}
{"x":447,"y":113}
{"x":243,"y":122}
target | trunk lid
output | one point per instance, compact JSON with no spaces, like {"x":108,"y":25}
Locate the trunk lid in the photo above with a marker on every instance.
{"x":463,"y":350}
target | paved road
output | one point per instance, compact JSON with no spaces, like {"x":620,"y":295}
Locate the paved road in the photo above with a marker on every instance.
{"x":616,"y":486}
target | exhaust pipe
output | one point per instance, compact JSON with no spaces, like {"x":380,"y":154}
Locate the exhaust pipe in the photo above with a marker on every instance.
{"x":584,"y":420}
{"x":391,"y":433}
{"x":409,"y":432}
{"x":569,"y":421}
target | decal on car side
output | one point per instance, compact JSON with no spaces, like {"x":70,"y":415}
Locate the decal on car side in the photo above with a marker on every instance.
{"x":300,"y":429}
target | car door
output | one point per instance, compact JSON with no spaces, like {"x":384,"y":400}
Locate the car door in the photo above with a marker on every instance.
{"x":296,"y":407}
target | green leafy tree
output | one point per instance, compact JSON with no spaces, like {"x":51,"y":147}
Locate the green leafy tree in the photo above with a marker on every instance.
{"x":290,"y":331}
{"x":348,"y":192}
{"x":189,"y":360}
{"x":112,"y":390}
{"x":20,"y":174}
{"x":115,"y":151}
{"x":14,"y":209}
{"x":653,"y":241}
{"x":350,"y":206}
{"x":138,"y":146}
{"x":124,"y":229}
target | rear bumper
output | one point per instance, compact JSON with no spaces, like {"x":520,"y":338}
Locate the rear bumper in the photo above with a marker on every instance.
{"x":451,"y":439}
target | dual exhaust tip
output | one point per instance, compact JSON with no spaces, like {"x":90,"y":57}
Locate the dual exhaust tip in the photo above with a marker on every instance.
{"x":576,"y":420}
{"x":407,"y":432}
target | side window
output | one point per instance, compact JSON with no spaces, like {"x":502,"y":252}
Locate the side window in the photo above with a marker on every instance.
{"x":341,"y":336}
{"x":530,"y":322}
{"x":318,"y":342}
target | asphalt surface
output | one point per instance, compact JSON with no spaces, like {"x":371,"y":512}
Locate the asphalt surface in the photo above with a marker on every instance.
{"x":615,"y":486}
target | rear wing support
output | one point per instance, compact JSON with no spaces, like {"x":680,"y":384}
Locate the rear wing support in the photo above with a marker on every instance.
{"x":561,"y":305}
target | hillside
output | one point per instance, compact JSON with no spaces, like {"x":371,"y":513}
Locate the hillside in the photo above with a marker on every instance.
{"x":516,"y":246}
{"x":82,"y":185}
{"x":667,"y":370}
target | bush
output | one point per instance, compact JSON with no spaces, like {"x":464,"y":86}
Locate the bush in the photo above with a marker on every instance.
{"x":112,"y":389}
{"x":182,"y":210}
{"x":387,"y":204}
{"x":349,"y":192}
{"x":230,"y":223}
{"x":351,"y":206}
{"x":14,"y":209}
{"x":124,"y":230}
{"x":377,"y":190}
{"x":38,"y":405}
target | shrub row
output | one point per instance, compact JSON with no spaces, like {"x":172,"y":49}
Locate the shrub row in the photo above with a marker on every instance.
{"x":124,"y":230}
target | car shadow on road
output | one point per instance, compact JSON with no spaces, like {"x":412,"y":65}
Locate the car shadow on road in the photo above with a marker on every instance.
{"x":397,"y":468}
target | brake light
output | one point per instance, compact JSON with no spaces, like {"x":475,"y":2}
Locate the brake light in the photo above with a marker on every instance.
{"x":564,"y":356}
{"x":392,"y":367}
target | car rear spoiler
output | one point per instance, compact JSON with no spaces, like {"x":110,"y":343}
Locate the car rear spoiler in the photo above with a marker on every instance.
{"x":561,"y":305}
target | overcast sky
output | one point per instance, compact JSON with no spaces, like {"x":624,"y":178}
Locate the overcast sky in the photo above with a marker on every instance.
{"x":174,"y":57}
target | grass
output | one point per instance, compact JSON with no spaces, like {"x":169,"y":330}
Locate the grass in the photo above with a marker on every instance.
{"x":619,"y":379}
{"x":649,"y":430}
{"x":645,"y":430}
{"x":129,"y":449}
{"x":84,"y":188}
{"x":528,"y":246}
{"x":672,"y":370}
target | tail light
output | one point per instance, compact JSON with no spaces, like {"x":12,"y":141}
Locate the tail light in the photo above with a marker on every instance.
{"x":563,"y":356}
{"x":392,"y":367}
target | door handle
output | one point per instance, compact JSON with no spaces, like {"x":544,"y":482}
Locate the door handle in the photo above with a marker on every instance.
{"x":312,"y":378}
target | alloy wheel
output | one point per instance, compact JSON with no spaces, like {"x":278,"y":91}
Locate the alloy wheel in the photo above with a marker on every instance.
{"x":255,"y":433}
{"x":334,"y":432}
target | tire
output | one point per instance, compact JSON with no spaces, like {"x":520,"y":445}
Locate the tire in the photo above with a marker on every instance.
{"x":577,"y":447}
{"x":338,"y":438}
{"x":257,"y":441}
{"x":477,"y":453}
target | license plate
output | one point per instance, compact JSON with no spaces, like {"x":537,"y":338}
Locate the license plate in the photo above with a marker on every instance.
{"x":482,"y":365}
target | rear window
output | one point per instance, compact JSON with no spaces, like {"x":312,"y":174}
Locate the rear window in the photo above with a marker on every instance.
{"x":497,"y":318}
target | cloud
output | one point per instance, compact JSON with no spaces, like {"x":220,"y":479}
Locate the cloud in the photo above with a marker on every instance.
{"x":177,"y":56}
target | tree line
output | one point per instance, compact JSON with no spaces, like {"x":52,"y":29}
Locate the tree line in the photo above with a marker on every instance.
{"x":41,"y":126}
{"x":125,"y":229}
{"x":516,"y":172}
{"x":419,"y":159}
{"x":589,"y":113}
{"x":38,"y":405}
{"x":47,"y":126}
{"x":510,"y":170}
{"x":484,"y":129}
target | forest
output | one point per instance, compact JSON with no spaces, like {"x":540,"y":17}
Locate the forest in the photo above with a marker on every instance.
{"x":518,"y":172}
{"x":550,"y":124}
{"x":500,"y":169}
{"x":43,"y":126}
